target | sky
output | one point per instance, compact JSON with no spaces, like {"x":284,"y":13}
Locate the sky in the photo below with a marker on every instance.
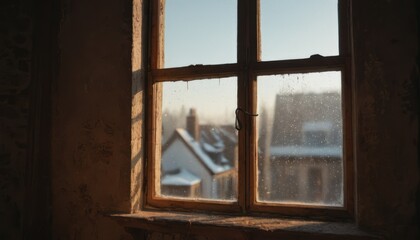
{"x":205,"y":32}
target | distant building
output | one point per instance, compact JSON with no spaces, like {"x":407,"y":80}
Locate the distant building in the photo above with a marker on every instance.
{"x":200,"y":161}
{"x":302,"y":161}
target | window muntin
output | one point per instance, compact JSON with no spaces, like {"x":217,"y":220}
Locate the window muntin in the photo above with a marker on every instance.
{"x":248,"y":70}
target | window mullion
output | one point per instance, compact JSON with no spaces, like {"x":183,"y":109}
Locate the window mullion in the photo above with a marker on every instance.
{"x":253,"y":58}
{"x":242,"y":47}
{"x":345,"y":51}
{"x":155,"y":96}
{"x":247,"y":57}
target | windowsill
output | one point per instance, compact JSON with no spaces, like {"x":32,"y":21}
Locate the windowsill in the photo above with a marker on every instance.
{"x":239,"y":226}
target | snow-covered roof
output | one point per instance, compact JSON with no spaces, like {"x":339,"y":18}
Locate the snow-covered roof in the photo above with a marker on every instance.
{"x":305,"y":151}
{"x":180,"y":178}
{"x":201,"y":154}
{"x":211,"y":148}
{"x":219,"y":135}
{"x":229,"y":133}
{"x":317,"y":126}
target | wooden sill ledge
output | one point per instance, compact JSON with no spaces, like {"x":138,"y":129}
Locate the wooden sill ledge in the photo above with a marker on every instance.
{"x":238,"y":227}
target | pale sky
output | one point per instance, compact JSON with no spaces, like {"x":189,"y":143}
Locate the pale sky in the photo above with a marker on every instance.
{"x":204,"y":32}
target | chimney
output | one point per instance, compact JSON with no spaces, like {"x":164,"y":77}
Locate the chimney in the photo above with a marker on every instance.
{"x":192,"y":125}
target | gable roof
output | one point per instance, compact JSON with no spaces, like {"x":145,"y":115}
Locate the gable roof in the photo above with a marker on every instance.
{"x":198,"y":152}
{"x":224,"y":135}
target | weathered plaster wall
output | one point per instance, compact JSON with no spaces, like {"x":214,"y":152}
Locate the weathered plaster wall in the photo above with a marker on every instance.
{"x":91,"y":120}
{"x":386,"y":97}
{"x":138,"y":96}
{"x":15,"y":94}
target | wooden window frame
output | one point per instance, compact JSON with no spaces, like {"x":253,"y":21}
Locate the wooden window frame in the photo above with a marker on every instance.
{"x":246,"y":69}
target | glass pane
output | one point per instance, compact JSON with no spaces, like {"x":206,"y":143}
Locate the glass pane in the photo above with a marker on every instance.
{"x":300,"y":141}
{"x":199,"y":140}
{"x":292,"y":29}
{"x":200,"y":32}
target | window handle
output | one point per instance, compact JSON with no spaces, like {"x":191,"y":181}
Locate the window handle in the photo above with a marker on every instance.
{"x":238,"y":123}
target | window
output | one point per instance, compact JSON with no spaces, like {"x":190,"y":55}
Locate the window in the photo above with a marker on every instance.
{"x":250,"y":107}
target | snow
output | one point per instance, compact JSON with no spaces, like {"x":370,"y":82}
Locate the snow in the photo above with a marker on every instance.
{"x":195,"y":146}
{"x":305,"y":151}
{"x":210,"y":148}
{"x":181,"y":178}
{"x":317,"y":126}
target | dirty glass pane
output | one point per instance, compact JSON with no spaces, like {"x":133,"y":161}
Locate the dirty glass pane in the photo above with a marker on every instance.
{"x":199,"y":140}
{"x":300,"y":139}
{"x":199,"y":32}
{"x":293,"y":29}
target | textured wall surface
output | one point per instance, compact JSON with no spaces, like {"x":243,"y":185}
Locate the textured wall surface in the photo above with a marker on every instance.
{"x":386,"y":77}
{"x":91,"y":120}
{"x":138,"y":96}
{"x":15,"y":94}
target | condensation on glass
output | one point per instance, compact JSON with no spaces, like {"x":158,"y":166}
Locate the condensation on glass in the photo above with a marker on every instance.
{"x":300,"y":143}
{"x":295,"y":29}
{"x":200,"y":32}
{"x":199,"y":142}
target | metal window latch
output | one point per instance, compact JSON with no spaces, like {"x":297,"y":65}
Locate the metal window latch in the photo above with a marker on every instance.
{"x":238,"y":123}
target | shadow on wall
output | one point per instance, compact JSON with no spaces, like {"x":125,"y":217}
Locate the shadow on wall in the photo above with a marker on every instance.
{"x":137,"y":144}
